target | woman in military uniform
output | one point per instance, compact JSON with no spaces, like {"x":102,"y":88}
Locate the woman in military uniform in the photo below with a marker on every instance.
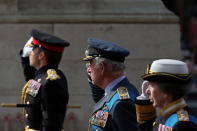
{"x":167,"y":81}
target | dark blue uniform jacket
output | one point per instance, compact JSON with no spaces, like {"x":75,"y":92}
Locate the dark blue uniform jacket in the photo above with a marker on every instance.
{"x":116,"y":111}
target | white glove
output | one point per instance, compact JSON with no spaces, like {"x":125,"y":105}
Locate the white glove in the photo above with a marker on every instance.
{"x":27,"y":48}
{"x":144,"y":95}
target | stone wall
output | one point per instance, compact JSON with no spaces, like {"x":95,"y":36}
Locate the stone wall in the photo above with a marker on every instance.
{"x":144,"y":27}
{"x":111,"y":11}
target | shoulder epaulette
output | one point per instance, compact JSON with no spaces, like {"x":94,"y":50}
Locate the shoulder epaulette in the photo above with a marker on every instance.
{"x":52,"y":75}
{"x":180,"y":115}
{"x":183,"y":115}
{"x":123,"y":93}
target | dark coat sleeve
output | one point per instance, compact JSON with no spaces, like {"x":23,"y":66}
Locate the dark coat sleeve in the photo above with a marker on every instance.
{"x":53,"y":106}
{"x":184,"y":126}
{"x":124,"y":116}
{"x":148,"y":126}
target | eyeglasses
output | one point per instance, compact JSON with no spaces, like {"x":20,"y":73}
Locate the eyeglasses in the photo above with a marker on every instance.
{"x":90,"y":63}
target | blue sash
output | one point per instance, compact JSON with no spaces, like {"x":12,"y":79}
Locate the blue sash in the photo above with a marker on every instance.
{"x":111,"y":103}
{"x":174,"y":119}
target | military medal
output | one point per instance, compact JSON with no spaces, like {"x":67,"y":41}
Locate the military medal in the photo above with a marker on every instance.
{"x":164,"y":128}
{"x":33,"y":88}
{"x":100,"y":118}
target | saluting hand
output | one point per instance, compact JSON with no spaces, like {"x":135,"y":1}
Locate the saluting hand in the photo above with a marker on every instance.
{"x":27,"y":48}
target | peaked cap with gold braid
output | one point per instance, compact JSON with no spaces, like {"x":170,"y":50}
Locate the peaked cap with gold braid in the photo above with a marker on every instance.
{"x":105,"y":49}
{"x":168,"y":70}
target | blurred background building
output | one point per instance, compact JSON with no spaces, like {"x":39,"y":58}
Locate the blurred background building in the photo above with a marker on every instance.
{"x":145,"y":27}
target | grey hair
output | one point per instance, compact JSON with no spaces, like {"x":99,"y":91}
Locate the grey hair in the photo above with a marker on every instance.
{"x":115,"y":66}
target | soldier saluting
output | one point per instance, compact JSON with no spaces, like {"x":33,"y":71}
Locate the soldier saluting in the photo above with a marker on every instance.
{"x":46,"y":91}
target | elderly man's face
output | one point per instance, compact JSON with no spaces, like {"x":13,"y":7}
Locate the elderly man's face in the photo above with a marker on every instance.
{"x":156,"y":95}
{"x":95,"y":72}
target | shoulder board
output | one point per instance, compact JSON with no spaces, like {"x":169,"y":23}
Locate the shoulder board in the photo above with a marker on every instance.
{"x":52,"y":75}
{"x":120,"y":94}
{"x":123,"y":93}
{"x":183,"y":115}
{"x":180,"y":115}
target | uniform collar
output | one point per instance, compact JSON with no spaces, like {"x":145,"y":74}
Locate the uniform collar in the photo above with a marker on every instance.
{"x":44,"y":69}
{"x":113,"y":84}
{"x":173,"y":107}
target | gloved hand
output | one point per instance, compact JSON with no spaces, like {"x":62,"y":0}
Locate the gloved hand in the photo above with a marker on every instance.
{"x":144,"y":95}
{"x":144,"y":108}
{"x":97,"y":92}
{"x":29,"y":72}
{"x":27,"y":48}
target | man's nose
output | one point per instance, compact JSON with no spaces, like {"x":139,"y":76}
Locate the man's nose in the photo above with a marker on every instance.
{"x":88,"y":70}
{"x":88,"y":67}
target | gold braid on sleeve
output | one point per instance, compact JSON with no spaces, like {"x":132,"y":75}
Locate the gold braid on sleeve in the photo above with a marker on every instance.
{"x":24,"y":95}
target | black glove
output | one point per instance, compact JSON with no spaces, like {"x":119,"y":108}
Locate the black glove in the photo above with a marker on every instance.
{"x":97,"y":92}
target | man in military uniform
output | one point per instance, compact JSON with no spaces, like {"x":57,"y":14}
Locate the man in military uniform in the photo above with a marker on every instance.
{"x":116,"y":110}
{"x":46,"y":92}
{"x":166,"y":84}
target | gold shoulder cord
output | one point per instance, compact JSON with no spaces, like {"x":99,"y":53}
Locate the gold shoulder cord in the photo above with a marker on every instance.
{"x":24,"y":96}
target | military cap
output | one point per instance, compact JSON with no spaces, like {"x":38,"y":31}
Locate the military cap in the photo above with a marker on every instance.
{"x":167,"y":70}
{"x":48,"y":41}
{"x":105,"y":49}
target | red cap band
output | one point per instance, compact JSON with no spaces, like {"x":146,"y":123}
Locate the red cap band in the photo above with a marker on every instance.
{"x":48,"y":47}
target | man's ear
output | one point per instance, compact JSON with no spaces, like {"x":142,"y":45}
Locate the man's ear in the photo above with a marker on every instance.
{"x":102,"y":68}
